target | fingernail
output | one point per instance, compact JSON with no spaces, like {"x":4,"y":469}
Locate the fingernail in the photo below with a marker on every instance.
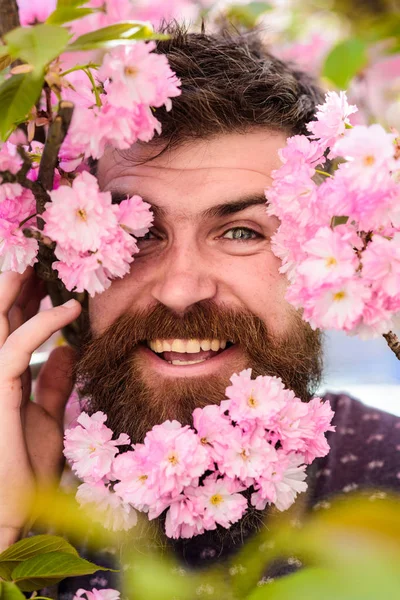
{"x":70,"y":303}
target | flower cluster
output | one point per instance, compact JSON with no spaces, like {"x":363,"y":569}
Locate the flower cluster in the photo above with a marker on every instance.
{"x":17,"y":204}
{"x":94,"y":238}
{"x":260,"y":439}
{"x":114,"y":96}
{"x":95,"y":594}
{"x":343,"y":264}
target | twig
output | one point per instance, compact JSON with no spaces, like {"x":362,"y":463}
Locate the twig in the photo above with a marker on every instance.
{"x":393,"y":343}
{"x":57,"y":132}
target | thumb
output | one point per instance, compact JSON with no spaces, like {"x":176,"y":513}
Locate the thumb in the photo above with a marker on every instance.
{"x":55,"y":382}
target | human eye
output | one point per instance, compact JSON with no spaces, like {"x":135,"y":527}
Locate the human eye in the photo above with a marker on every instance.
{"x":242,"y":234}
{"x":147,"y":237}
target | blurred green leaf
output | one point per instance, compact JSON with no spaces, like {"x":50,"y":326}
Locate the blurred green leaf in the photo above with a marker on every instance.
{"x":247,"y":14}
{"x":37,"y":45}
{"x":17,"y":96}
{"x":316,"y":583}
{"x":345,"y":61}
{"x":9,"y":591}
{"x":48,"y":569}
{"x":65,"y":14}
{"x":38,"y":544}
{"x":113,"y":35}
{"x":5,"y":60}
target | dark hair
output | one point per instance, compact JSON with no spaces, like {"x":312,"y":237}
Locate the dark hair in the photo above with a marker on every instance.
{"x":231,"y":83}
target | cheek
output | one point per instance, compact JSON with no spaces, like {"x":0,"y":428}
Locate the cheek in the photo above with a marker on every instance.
{"x":105,"y":308}
{"x":261,"y":289}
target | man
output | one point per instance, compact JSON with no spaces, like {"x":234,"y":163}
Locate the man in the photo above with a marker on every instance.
{"x":204,"y":297}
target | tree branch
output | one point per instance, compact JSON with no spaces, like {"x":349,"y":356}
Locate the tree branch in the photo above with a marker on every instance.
{"x":9,"y":18}
{"x":393,"y":343}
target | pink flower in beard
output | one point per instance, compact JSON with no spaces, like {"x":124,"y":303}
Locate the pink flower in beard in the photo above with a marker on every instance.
{"x":135,"y":484}
{"x":90,"y":448}
{"x":253,"y":400}
{"x":107,"y":507}
{"x":184,"y":519}
{"x":177,"y":457}
{"x":280,"y":482}
{"x":220,"y":501}
{"x":245,"y":455}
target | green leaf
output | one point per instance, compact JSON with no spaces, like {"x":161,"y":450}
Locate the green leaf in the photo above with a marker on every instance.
{"x":37,"y":544}
{"x":65,"y":14}
{"x":17,"y":96}
{"x":248,"y":14}
{"x":9,"y":591}
{"x":48,"y":569}
{"x":345,"y":61}
{"x":37,"y":45}
{"x":114,"y":34}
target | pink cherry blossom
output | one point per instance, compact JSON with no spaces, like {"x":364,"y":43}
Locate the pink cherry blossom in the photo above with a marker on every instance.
{"x":16,"y":251}
{"x":246,"y":455}
{"x":33,"y":11}
{"x":366,"y":149}
{"x":9,"y":158}
{"x":331,"y":118}
{"x":177,"y":456}
{"x":90,"y":447}
{"x":95,"y":594}
{"x":136,"y":479}
{"x":93,"y":271}
{"x":338,"y":305}
{"x":281,"y":483}
{"x":106,"y":507}
{"x":253,"y":399}
{"x":135,"y":215}
{"x":213,"y":428}
{"x":80,"y":216}
{"x":134,"y":74}
{"x":16,"y":203}
{"x":381,"y":263}
{"x":330,"y":256}
{"x":221,"y":501}
{"x":184,"y":519}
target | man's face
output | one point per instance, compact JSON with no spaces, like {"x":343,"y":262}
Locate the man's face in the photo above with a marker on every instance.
{"x":206,"y":273}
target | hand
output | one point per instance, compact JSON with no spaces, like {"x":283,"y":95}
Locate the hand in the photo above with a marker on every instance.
{"x":31,"y":433}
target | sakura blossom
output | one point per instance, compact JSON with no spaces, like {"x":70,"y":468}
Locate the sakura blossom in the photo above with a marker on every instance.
{"x":106,"y":507}
{"x":196,"y":476}
{"x":95,"y":594}
{"x":332,"y":117}
{"x":135,"y":75}
{"x":90,"y":448}
{"x":342,"y":262}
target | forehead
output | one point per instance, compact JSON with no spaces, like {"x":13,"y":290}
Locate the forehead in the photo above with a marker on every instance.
{"x":194,"y":176}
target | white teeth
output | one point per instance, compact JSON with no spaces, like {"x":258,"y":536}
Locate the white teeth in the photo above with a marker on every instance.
{"x":178,"y":346}
{"x":186,"y":362}
{"x":191,"y":346}
{"x":205,"y":344}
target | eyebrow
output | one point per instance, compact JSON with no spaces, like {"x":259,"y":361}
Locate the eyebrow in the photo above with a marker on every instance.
{"x":220,"y":210}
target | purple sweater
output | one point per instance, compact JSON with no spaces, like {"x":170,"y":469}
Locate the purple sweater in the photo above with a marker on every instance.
{"x":365,"y":453}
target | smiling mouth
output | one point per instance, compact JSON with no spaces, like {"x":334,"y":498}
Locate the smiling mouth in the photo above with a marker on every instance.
{"x":180,"y":352}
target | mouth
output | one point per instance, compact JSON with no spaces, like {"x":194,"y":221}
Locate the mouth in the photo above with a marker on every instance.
{"x":178,"y":356}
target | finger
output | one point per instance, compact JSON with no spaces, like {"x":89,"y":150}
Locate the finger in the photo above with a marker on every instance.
{"x":55,"y":382}
{"x":19,"y":346}
{"x":10,"y":286}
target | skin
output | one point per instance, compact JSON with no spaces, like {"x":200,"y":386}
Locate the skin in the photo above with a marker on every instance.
{"x":189,"y":258}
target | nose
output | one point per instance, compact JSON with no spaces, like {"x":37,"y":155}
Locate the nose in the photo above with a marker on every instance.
{"x":184,"y":278}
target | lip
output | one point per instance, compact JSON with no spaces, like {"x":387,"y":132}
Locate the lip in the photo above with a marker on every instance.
{"x":204,"y":368}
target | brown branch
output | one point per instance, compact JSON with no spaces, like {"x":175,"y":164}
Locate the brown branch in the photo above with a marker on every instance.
{"x":57,"y":132}
{"x":9,"y":18}
{"x":393,"y":343}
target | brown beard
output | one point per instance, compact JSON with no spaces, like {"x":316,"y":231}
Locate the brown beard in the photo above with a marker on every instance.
{"x":117,"y":380}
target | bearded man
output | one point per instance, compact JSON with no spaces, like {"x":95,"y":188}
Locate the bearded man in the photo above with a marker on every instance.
{"x":204,"y":297}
